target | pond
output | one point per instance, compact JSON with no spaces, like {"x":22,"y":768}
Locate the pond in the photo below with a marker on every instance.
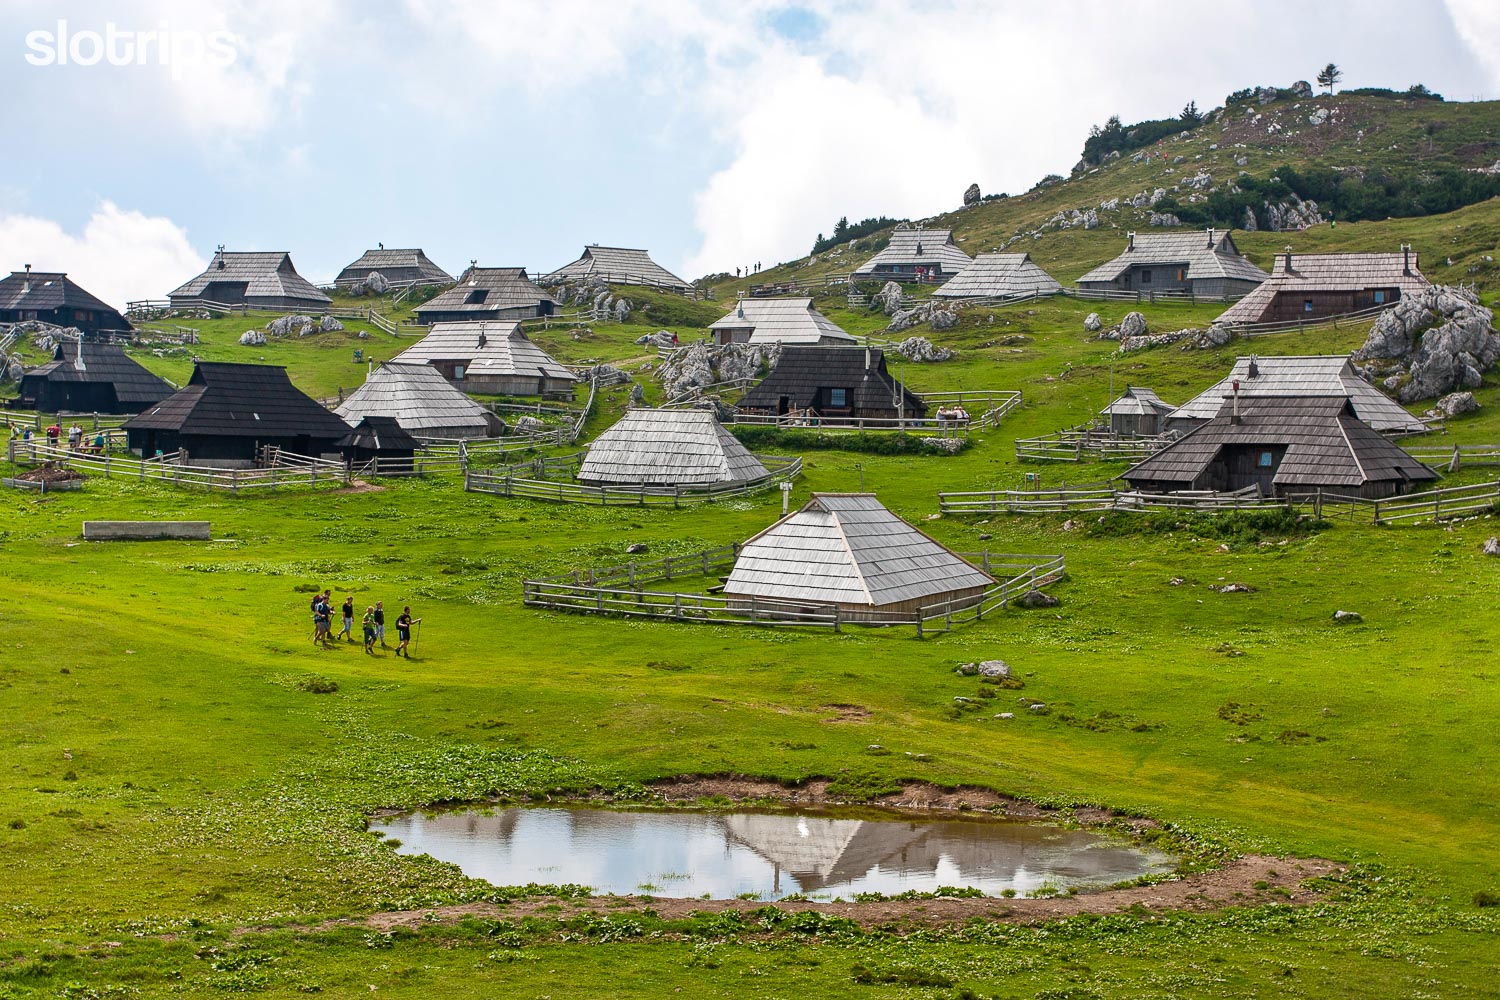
{"x":767,"y":855}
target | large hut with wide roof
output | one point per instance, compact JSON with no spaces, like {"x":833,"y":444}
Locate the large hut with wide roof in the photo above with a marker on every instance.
{"x":665,"y":448}
{"x":255,"y":280}
{"x":1205,"y":264}
{"x":228,"y":414}
{"x":399,"y":269}
{"x":617,"y":266}
{"x":916,"y":255}
{"x":419,"y":399}
{"x":488,"y":293}
{"x":1313,"y":286}
{"x":1000,"y":276}
{"x":492,"y":357}
{"x":85,"y":377}
{"x":777,"y":321}
{"x":52,"y":297}
{"x":846,"y":550}
{"x":832,"y":383}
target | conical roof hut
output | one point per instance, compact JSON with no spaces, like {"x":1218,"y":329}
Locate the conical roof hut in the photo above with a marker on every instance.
{"x":668,"y":448}
{"x":420,"y":399}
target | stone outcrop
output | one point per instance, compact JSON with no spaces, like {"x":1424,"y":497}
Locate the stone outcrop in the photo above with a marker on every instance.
{"x":889,"y":298}
{"x":1430,"y":344}
{"x":700,"y":365}
{"x":295,"y":325}
{"x":972,"y":195}
{"x":1092,"y":323}
{"x":920,"y":349}
{"x":253,"y":338}
{"x":1455,"y":404}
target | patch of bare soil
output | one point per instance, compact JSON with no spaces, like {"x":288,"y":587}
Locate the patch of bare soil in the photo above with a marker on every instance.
{"x":360,"y":486}
{"x":51,"y":474}
{"x":845,"y":713}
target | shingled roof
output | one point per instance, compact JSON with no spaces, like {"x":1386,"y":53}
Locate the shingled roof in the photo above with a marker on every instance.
{"x":848,"y":549}
{"x":493,"y":290}
{"x":1327,"y":272}
{"x":399,"y":267}
{"x":617,"y":266}
{"x":1326,"y":445}
{"x":238,"y":400}
{"x":377,"y":434}
{"x":420,"y":399}
{"x":44,"y":291}
{"x":267,"y":275}
{"x":999,"y":275}
{"x":1208,"y":254}
{"x":485,"y":347}
{"x":1311,"y":376}
{"x":786,"y":321}
{"x":1138,"y":401}
{"x":134,"y":386}
{"x":667,"y":448}
{"x":804,"y":370}
{"x":918,"y":248}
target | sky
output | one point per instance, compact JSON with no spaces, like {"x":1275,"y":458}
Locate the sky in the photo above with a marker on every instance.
{"x":715,"y":134}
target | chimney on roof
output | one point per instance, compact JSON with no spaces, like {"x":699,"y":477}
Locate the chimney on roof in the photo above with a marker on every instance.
{"x":1130,"y":241}
{"x":739,"y":308}
{"x":1406,"y":258}
{"x":380,"y":245}
{"x":1288,"y":249}
{"x":1254,"y":369}
{"x":219,"y":256}
{"x":1211,"y":234}
{"x":1234,"y":414}
{"x":26,"y":281}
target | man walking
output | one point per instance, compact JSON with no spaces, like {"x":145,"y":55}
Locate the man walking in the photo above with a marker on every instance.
{"x":380,"y":623}
{"x":322,"y":620}
{"x":404,"y":622}
{"x":369,"y":623}
{"x":348,"y":633}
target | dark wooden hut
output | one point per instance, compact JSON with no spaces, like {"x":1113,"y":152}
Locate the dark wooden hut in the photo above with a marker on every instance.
{"x":228,"y":413}
{"x":52,"y":297}
{"x":485,"y":293}
{"x":400,"y":268}
{"x":1311,"y":286}
{"x":91,"y":378}
{"x":617,"y":266}
{"x":378,"y":437}
{"x":1206,"y":264}
{"x":259,"y":280}
{"x":916,"y":255}
{"x":847,"y":383}
{"x":1139,"y":411}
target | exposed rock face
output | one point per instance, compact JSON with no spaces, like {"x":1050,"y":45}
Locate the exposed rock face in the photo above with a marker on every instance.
{"x":1247,"y":221}
{"x":1133,"y":325}
{"x":1318,"y":117}
{"x":921,"y":349}
{"x":329,"y":325}
{"x":1432,"y":343}
{"x":637,"y":395}
{"x":1201,"y":181}
{"x":375,"y":283}
{"x":889,"y":298}
{"x":1037,"y":599}
{"x":290,"y":326}
{"x":1292,"y":214}
{"x":972,"y":195}
{"x":252,"y":338}
{"x":1301,"y":89}
{"x":529,"y":425}
{"x":1492,"y":547}
{"x":943,"y":319}
{"x":1265,"y":95}
{"x":1092,"y":323}
{"x":1143,"y":343}
{"x":1455,"y":404}
{"x":622,"y":310}
{"x":1164,"y":219}
{"x":700,"y":365}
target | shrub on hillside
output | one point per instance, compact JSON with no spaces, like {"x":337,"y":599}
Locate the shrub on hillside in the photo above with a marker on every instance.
{"x":778,"y":440}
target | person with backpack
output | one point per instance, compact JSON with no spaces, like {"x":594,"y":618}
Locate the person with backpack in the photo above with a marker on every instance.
{"x":348,"y":633}
{"x":322,"y":620}
{"x":404,"y":622}
{"x":380,"y":623}
{"x":369,"y":623}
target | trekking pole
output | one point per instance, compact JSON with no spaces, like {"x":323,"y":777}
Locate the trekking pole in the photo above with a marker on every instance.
{"x":418,"y":637}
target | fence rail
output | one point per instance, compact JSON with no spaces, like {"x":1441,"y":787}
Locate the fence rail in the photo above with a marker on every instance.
{"x":620,"y":590}
{"x":1458,"y":455}
{"x":992,"y":404}
{"x":1301,"y":326}
{"x":170,"y":471}
{"x":1186,"y":297}
{"x":507,"y":483}
{"x":1087,"y":441}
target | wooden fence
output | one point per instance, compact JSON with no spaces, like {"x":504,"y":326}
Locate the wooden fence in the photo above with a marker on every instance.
{"x":1304,"y":326}
{"x":167,"y":469}
{"x":511,"y":482}
{"x":620,"y":590}
{"x":1456,"y":456}
{"x":1185,"y":297}
{"x":1088,"y":442}
{"x":992,"y":405}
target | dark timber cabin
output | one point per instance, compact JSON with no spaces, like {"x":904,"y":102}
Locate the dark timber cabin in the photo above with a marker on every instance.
{"x":916,"y":255}
{"x":617,"y":266}
{"x":1139,"y":412}
{"x":378,"y":437}
{"x":400,"y":268}
{"x":227,"y":413}
{"x":1282,"y":445}
{"x":1206,"y":264}
{"x":51,"y":297}
{"x":258,"y":280}
{"x":488,"y":293}
{"x":91,"y":378}
{"x":847,"y":383}
{"x":1312,"y":286}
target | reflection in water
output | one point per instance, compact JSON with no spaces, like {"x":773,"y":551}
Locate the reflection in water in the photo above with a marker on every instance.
{"x":768,"y":854}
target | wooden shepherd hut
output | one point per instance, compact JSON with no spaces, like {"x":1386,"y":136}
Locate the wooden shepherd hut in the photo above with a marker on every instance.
{"x":1205,"y":264}
{"x":379,"y":438}
{"x":916,"y":255}
{"x":836,"y":383}
{"x":1282,"y":445}
{"x":999,"y":276}
{"x":420,"y":400}
{"x":259,"y":280}
{"x":497,"y":293}
{"x":399,"y":268}
{"x":777,"y":321}
{"x":1139,"y":412}
{"x":849,"y":551}
{"x":228,"y":413}
{"x":492,"y":357}
{"x":91,"y":378}
{"x":649,"y":447}
{"x":52,"y":297}
{"x":617,"y":266}
{"x":1312,"y":286}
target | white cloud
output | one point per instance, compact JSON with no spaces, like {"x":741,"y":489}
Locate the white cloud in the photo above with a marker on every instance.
{"x":119,"y":255}
{"x":1478,"y":24}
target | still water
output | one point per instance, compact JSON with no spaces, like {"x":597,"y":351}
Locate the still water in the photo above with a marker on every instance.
{"x":723,"y":855}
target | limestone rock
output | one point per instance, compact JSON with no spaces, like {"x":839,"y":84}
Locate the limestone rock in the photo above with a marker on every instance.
{"x":329,"y":324}
{"x":637,"y":395}
{"x":1492,"y":546}
{"x":1301,"y":90}
{"x":700,"y":365}
{"x":994,"y":668}
{"x":528,"y":425}
{"x":972,"y":195}
{"x":921,"y":349}
{"x":889,"y":298}
{"x":253,"y":338}
{"x":635,"y":549}
{"x":290,"y":326}
{"x":1455,"y":404}
{"x":1037,"y":599}
{"x":967,"y":669}
{"x":1092,"y":323}
{"x":375,"y":283}
{"x":1167,"y":219}
{"x":1432,"y":343}
{"x":1133,"y":325}
{"x":1348,"y":617}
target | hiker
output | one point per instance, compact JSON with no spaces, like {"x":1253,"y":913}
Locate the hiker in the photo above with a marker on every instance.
{"x":99,"y":443}
{"x":369,"y":623}
{"x":75,"y":436}
{"x":348,"y":633}
{"x":322,"y":614}
{"x":404,"y":622}
{"x":380,"y":623}
{"x":54,"y":432}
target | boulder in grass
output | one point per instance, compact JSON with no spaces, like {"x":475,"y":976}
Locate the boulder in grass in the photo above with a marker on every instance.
{"x":994,"y":668}
{"x":1037,"y":599}
{"x":1348,"y":617}
{"x":1492,"y":547}
{"x":253,"y":338}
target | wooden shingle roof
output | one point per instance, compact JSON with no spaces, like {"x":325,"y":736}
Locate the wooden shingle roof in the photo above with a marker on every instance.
{"x":267,"y":274}
{"x":90,"y":362}
{"x":999,"y":275}
{"x":1310,"y":376}
{"x":847,"y":548}
{"x":1207,"y":254}
{"x":486,"y":347}
{"x":785,"y":321}
{"x":488,"y":289}
{"x":1326,"y":445}
{"x":1328,"y":272}
{"x":669,"y":448}
{"x":44,"y":291}
{"x":618,"y":266}
{"x":374,"y":433}
{"x":239,"y":400}
{"x":918,"y":247}
{"x":419,"y":398}
{"x":802,"y":370}
{"x":1138,"y":401}
{"x":397,"y":266}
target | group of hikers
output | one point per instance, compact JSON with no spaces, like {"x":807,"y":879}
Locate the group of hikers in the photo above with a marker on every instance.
{"x":78,"y":440}
{"x":373,"y":624}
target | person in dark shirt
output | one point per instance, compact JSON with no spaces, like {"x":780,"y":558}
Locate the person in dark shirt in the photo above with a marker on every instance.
{"x":322,"y":621}
{"x":369,"y":623}
{"x":348,"y":633}
{"x":380,"y":623}
{"x":404,"y":622}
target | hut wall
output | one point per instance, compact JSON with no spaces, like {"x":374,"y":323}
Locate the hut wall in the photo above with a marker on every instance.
{"x":514,"y":385}
{"x":1290,"y":306}
{"x":962,"y":600}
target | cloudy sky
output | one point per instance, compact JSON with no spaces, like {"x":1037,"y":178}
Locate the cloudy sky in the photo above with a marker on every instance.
{"x":716,"y":134}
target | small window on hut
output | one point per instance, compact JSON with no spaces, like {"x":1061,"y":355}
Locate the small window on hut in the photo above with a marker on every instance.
{"x":838,"y":397}
{"x":1380,"y":296}
{"x":1182,"y":274}
{"x":1265,"y":460}
{"x":458,"y":372}
{"x":1145,"y":277}
{"x":477,"y":297}
{"x":1307,"y":305}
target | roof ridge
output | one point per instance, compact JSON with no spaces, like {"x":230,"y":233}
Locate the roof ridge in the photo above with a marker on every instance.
{"x":859,"y":571}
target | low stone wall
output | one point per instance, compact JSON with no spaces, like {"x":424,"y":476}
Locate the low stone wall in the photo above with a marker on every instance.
{"x":113,"y":531}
